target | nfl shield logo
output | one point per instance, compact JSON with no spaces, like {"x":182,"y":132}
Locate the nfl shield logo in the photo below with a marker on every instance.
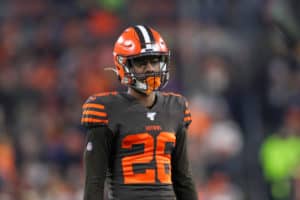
{"x":151,"y":115}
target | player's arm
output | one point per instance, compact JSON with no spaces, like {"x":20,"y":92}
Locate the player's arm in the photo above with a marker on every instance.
{"x":96,"y":159}
{"x":183,"y":183}
{"x":97,"y":152}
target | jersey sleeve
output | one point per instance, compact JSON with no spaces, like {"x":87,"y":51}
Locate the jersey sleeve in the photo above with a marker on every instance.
{"x":182,"y":178}
{"x":187,"y":119}
{"x":96,"y":161}
{"x":94,"y":113}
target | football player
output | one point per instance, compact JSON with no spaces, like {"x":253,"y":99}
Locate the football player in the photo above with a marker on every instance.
{"x":136,"y":140}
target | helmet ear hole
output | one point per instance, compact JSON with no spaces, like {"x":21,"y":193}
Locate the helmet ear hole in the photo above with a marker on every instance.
{"x":129,"y":63}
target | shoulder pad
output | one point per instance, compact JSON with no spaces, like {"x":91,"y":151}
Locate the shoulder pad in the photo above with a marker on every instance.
{"x":187,"y":119}
{"x":94,"y":112}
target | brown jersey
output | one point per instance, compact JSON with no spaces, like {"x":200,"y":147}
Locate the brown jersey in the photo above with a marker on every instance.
{"x":144,"y":141}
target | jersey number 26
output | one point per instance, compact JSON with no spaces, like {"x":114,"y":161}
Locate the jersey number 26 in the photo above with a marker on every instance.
{"x":162,"y":159}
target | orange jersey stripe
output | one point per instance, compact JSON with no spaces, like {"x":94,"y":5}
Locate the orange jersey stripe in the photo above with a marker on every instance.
{"x":91,"y":112}
{"x":93,"y":105}
{"x":92,"y":120}
{"x":187,"y":112}
{"x":105,"y":94}
{"x":171,"y":94}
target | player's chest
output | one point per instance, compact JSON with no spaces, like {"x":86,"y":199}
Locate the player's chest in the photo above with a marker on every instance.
{"x":146,"y":121}
{"x":138,"y":120}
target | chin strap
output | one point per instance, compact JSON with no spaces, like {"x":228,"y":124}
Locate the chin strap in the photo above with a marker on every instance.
{"x":146,"y":86}
{"x":150,"y":84}
{"x":153,"y":83}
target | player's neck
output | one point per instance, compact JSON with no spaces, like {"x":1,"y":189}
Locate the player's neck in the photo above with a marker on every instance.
{"x":146,"y":100}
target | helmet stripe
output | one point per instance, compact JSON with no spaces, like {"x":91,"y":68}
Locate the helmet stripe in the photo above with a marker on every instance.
{"x":150,"y":34}
{"x":147,"y":35}
{"x":141,"y":37}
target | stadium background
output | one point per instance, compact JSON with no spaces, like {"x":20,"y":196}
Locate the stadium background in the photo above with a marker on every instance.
{"x":236,"y":61}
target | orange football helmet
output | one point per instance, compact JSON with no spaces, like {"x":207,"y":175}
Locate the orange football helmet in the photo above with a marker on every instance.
{"x":136,"y":42}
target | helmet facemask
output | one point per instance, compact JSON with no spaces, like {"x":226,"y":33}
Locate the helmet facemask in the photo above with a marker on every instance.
{"x":150,"y":80}
{"x":134,"y":44}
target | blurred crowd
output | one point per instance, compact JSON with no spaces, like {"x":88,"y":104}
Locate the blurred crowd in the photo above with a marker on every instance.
{"x":238,"y":63}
